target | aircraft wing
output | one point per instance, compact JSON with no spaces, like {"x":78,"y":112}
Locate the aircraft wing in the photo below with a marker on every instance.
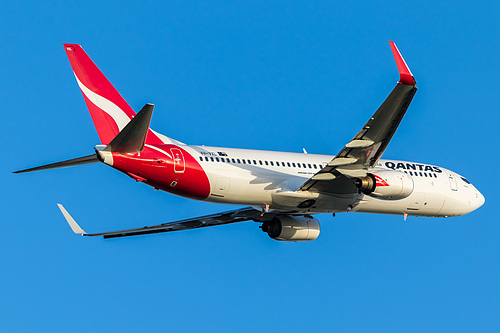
{"x":232,"y":216}
{"x":367,"y":147}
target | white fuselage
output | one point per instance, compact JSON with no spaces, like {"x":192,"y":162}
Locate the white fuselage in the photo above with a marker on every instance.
{"x":267,"y":178}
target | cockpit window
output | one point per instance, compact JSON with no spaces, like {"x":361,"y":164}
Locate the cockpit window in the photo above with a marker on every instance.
{"x":465,"y":180}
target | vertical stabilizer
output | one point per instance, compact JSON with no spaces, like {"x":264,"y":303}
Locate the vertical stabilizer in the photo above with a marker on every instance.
{"x":109,"y":111}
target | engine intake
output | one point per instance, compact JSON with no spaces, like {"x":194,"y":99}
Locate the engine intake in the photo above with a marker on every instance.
{"x":292,"y":228}
{"x":386,"y":184}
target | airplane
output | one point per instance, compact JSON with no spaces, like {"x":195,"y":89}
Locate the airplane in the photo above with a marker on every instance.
{"x":281,"y":190}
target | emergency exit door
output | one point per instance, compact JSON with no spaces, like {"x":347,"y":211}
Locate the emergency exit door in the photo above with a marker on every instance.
{"x":179,"y":163}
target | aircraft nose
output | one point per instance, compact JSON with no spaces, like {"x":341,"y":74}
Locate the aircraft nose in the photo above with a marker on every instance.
{"x":478,"y":200}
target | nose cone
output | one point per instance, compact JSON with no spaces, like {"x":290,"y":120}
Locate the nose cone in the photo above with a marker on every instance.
{"x":479,"y":201}
{"x":476,"y":201}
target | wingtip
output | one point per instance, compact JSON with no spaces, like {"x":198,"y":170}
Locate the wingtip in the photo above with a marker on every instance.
{"x":71,"y":221}
{"x":405,"y":75}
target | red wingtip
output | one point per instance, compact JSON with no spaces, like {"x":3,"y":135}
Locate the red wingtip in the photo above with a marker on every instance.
{"x":405,"y":75}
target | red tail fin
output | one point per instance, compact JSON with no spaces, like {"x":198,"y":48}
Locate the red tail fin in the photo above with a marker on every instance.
{"x":109,"y":111}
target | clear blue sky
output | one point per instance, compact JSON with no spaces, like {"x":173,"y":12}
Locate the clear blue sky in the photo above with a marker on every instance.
{"x":263,"y":75}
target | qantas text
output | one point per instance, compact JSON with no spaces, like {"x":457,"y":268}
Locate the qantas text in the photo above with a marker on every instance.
{"x":412,"y":166}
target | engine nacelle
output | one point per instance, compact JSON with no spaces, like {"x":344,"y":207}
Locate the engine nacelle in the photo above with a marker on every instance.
{"x":292,"y":228}
{"x":386,"y":184}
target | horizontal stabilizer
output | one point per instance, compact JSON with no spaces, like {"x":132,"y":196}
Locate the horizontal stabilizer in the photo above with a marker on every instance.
{"x":132,"y":137}
{"x":75,"y":161}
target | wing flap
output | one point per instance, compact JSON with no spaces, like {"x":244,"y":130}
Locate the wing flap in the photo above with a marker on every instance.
{"x":366,"y":148}
{"x":381,"y":127}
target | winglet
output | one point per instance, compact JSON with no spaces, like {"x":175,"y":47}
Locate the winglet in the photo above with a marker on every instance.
{"x":71,"y":221}
{"x":405,"y":75}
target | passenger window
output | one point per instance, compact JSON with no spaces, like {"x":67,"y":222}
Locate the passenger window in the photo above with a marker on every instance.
{"x":211,"y":159}
{"x":266,"y":162}
{"x":288,"y":163}
{"x":298,"y":164}
{"x":217,"y":159}
{"x":243,"y":161}
{"x":283,"y":164}
{"x":238,"y":160}
{"x":233,"y":160}
{"x":309,"y":165}
{"x":314,"y":166}
{"x":272,"y":164}
{"x":255,"y":162}
{"x":206,"y":158}
{"x":222,"y":159}
{"x":421,"y":174}
{"x":293,"y":164}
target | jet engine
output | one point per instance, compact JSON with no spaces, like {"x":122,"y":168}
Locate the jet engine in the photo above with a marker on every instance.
{"x":292,"y":228}
{"x":386,"y":184}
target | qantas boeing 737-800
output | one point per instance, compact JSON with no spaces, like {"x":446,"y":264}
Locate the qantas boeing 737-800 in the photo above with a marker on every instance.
{"x":281,"y":190}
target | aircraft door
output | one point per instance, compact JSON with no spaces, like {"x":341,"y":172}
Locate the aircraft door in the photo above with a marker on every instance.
{"x":452,"y":180}
{"x":416,"y":200}
{"x":221,"y":187}
{"x":179,"y":162}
